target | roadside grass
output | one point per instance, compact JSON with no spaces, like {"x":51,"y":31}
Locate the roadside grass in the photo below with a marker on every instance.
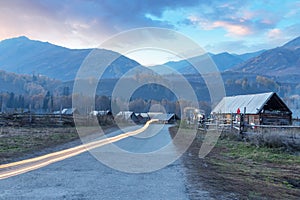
{"x":257,"y":172}
{"x":17,"y":142}
{"x":260,"y":154}
{"x":243,"y":169}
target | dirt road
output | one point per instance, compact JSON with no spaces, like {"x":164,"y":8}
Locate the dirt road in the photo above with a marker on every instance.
{"x":84,"y":177}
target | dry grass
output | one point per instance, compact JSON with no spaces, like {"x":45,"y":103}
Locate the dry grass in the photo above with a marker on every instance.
{"x":16,"y":142}
{"x":238,"y":169}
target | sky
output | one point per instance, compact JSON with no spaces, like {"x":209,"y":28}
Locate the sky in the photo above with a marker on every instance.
{"x":217,"y":25}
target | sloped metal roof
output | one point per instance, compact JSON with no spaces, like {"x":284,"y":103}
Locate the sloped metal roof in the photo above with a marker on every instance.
{"x":253,"y":103}
{"x":145,"y":115}
{"x":99,"y":112}
{"x":125,"y":114}
{"x":163,"y":117}
{"x":69,"y":111}
{"x":153,"y":114}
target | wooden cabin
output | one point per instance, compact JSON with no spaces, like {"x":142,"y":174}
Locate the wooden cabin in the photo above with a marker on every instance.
{"x":166,"y":118}
{"x":143,"y":117}
{"x":127,"y":116}
{"x":260,"y":109}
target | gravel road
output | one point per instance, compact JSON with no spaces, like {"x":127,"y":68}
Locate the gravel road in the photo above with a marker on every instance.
{"x":84,"y":177}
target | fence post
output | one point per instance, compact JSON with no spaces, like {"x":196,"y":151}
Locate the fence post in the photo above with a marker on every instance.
{"x":30,"y":114}
{"x":231,"y":122}
{"x":242,"y":121}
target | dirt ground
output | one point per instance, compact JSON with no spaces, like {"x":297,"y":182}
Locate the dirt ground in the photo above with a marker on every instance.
{"x":228,"y":176}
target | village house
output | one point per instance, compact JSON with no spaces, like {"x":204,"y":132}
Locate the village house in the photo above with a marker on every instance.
{"x":260,"y":109}
{"x":193,"y":115}
{"x":127,"y":116}
{"x":152,"y":114}
{"x":101,"y":113}
{"x":67,"y":111}
{"x":166,"y":118}
{"x":143,"y":117}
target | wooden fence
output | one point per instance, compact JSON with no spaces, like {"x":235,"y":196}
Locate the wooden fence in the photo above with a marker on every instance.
{"x":287,"y":137}
{"x":47,"y":120}
{"x":53,"y":120}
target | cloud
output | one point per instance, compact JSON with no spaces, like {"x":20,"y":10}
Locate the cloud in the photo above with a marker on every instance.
{"x":41,"y":20}
{"x":86,"y":23}
{"x":80,"y":22}
{"x":232,"y":29}
{"x":274,"y":33}
{"x":237,"y":18}
{"x":278,"y":37}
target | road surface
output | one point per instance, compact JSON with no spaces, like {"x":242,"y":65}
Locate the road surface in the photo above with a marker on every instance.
{"x":84,"y":177}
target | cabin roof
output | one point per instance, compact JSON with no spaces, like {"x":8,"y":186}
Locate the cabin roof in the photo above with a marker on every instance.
{"x":164,"y":117}
{"x":145,"y":115}
{"x":69,"y":111}
{"x":126,"y":114}
{"x":254,"y":103}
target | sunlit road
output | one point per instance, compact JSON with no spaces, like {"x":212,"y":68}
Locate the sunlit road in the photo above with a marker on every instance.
{"x":84,"y":177}
{"x":16,"y":168}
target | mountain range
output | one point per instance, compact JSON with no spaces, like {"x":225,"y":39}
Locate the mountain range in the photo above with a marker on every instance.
{"x":280,"y":61}
{"x":223,"y":62}
{"x":53,"y":67}
{"x":24,"y":56}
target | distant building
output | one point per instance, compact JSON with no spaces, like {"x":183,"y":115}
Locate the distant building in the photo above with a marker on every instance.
{"x":152,"y":114}
{"x":127,"y":116}
{"x":143,"y":117}
{"x":67,"y":111}
{"x":261,"y":109}
{"x":100,"y":112}
{"x":166,"y":118}
{"x":193,"y":115}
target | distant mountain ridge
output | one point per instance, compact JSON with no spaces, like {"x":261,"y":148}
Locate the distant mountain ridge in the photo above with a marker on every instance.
{"x":224,"y":61}
{"x":24,"y":56}
{"x":30,"y":64}
{"x":293,"y":44}
{"x":280,"y":61}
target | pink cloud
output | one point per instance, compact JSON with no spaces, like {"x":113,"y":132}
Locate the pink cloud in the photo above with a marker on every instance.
{"x":274,"y":33}
{"x":233,"y":29}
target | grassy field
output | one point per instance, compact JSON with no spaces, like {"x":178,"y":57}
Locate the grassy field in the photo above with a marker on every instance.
{"x":240,"y":169}
{"x":257,"y":172}
{"x":15,"y":142}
